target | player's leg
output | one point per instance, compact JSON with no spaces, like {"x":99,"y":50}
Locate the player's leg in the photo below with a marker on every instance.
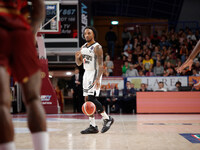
{"x":35,"y":111}
{"x":108,"y":120}
{"x":92,"y":128}
{"x":25,"y":66}
{"x":6,"y":126}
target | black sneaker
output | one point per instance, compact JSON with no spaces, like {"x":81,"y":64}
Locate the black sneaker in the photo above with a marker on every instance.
{"x":90,"y":130}
{"x":107,"y":124}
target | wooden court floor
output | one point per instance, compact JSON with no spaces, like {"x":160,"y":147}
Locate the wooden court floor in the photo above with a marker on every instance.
{"x":129,"y":132}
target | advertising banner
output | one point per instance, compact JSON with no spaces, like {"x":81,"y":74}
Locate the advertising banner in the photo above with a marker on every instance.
{"x":48,"y":94}
{"x":195,"y":81}
{"x":113,"y":81}
{"x":84,"y":18}
{"x":152,"y":82}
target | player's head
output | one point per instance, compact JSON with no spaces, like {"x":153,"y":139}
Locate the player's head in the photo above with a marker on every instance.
{"x":90,"y":33}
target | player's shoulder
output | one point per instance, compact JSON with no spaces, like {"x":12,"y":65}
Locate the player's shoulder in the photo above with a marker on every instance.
{"x":98,"y":46}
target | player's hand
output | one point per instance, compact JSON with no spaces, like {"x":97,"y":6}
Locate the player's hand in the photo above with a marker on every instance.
{"x":188,"y":63}
{"x":78,"y":54}
{"x":97,"y":84}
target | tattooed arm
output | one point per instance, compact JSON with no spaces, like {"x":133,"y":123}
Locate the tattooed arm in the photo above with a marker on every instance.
{"x":189,"y":61}
{"x":99,"y":54}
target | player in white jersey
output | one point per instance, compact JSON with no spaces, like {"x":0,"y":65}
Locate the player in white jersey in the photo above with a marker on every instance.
{"x":91,"y":55}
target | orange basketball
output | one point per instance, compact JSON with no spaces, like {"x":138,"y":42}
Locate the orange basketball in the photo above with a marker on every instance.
{"x":88,"y":108}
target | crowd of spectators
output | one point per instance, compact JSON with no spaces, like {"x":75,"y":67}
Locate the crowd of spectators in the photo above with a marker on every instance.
{"x":149,"y":56}
{"x":157,"y":55}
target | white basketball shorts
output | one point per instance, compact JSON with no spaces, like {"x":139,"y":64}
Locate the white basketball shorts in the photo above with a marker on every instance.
{"x":88,"y":87}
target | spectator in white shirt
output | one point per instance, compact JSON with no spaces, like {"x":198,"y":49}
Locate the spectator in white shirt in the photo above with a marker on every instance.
{"x":161,"y":87}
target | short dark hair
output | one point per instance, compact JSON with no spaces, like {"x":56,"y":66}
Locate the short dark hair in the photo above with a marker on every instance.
{"x":93,"y":30}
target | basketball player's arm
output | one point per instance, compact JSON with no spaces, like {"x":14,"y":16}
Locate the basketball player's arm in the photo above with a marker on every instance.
{"x":78,"y":58}
{"x":189,"y":61}
{"x":195,"y":51}
{"x":37,"y":15}
{"x":99,"y":53}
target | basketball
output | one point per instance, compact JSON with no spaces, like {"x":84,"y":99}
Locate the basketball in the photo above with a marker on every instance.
{"x":88,"y":108}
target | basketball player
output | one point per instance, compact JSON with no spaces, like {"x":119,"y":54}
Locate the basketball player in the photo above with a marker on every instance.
{"x":18,"y":55}
{"x":189,"y":61}
{"x":91,"y":55}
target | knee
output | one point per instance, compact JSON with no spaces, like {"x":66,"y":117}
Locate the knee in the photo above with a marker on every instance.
{"x":98,"y":105}
{"x":31,"y":99}
{"x":5,"y":101}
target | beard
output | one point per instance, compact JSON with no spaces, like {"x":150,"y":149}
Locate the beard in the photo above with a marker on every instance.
{"x":89,"y":40}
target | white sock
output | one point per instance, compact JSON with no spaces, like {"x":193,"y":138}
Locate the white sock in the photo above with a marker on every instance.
{"x":40,"y":140}
{"x":8,"y":146}
{"x":104,"y":115}
{"x":92,"y":121}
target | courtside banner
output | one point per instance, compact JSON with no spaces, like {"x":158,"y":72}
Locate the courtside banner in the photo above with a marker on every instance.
{"x":84,"y":18}
{"x":113,"y":81}
{"x":195,"y":81}
{"x":48,"y":94}
{"x":169,"y":82}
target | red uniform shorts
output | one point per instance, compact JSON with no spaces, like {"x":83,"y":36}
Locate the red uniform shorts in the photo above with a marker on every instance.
{"x":18,"y":52}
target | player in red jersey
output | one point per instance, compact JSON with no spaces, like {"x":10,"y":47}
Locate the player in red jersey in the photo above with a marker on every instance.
{"x":18,"y":54}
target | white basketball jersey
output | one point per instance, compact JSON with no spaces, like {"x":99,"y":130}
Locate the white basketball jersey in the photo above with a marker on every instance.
{"x":89,"y":57}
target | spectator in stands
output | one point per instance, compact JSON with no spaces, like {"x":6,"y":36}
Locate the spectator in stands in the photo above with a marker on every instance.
{"x":171,"y":59}
{"x":194,"y":73}
{"x":141,"y":73}
{"x":112,"y":98}
{"x":129,"y":98}
{"x":183,"y":52}
{"x":128,"y":44}
{"x":148,"y":43}
{"x":158,"y":70}
{"x":178,"y":85}
{"x":191,"y":36}
{"x":161,"y":87}
{"x":131,"y":71}
{"x":174,"y":42}
{"x":169,"y":70}
{"x":156,"y":51}
{"x":109,"y":65}
{"x":197,"y":66}
{"x":139,"y":63}
{"x":147,"y":64}
{"x":144,"y":50}
{"x":155,"y":39}
{"x":143,"y":88}
{"x":138,"y":51}
{"x":127,"y":52}
{"x":103,"y":96}
{"x":136,"y":33}
{"x":164,"y":42}
{"x":158,"y":58}
{"x":111,"y":39}
{"x":125,"y":68}
{"x":126,"y":35}
{"x":130,"y":58}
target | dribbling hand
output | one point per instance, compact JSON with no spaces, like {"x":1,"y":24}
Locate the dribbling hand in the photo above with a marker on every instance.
{"x":188,"y":63}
